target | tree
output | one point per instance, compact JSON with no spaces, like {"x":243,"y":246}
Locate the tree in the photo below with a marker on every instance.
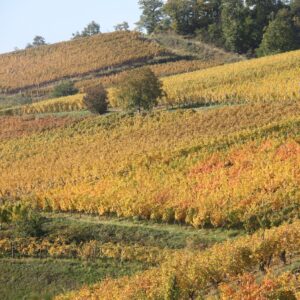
{"x":261,"y":13}
{"x":295,"y":7}
{"x":295,"y":11}
{"x":91,"y":29}
{"x":151,"y":14}
{"x":27,"y":221}
{"x":37,"y":41}
{"x":64,"y":89}
{"x":95,"y":99}
{"x":237,"y":26}
{"x":190,"y":15}
{"x":184,"y":15}
{"x":280,"y":35}
{"x":139,"y":89}
{"x":122,"y":27}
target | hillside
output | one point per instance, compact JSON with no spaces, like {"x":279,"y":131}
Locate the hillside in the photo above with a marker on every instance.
{"x":194,"y":195}
{"x":99,"y":58}
{"x":228,"y":172}
{"x":221,"y":272}
{"x":45,"y":64}
{"x":269,"y":79}
{"x":264,"y":80}
{"x":192,"y":148}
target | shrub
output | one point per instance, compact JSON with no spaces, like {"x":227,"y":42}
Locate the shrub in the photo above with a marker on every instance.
{"x":64,"y":89}
{"x":139,"y":89}
{"x":27,"y":221}
{"x":95,"y":99}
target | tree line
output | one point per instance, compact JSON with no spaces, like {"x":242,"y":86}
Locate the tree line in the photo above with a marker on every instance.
{"x":91,"y":29}
{"x":252,"y":27}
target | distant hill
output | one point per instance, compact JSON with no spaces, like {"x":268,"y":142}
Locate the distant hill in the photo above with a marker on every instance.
{"x":101,"y":58}
{"x":270,"y":79}
{"x":46,"y":64}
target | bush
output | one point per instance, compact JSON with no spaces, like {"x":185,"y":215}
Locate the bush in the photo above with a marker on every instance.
{"x":95,"y":99}
{"x":64,"y":89}
{"x":139,"y":89}
{"x":28,"y":223}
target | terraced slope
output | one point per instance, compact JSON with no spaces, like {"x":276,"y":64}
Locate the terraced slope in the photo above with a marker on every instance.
{"x":37,"y":66}
{"x":269,"y":79}
{"x":200,"y":168}
{"x":222,"y":272}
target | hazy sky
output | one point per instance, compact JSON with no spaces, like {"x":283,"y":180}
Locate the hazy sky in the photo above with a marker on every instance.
{"x":56,"y":20}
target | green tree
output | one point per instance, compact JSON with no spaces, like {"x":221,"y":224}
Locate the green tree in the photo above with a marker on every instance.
{"x":295,"y":11}
{"x":280,"y":35}
{"x":95,"y":99}
{"x":237,"y":26}
{"x":187,"y":16}
{"x":124,"y":26}
{"x":37,"y":42}
{"x":261,"y":13}
{"x":92,"y":28}
{"x":151,"y":14}
{"x":184,"y":15}
{"x":295,"y":7}
{"x":64,"y":89}
{"x":30,"y":224}
{"x":139,"y":89}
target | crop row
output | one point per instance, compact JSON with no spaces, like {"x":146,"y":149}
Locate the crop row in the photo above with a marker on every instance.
{"x":41,"y":248}
{"x":63,"y":104}
{"x":269,"y":79}
{"x":188,"y":173}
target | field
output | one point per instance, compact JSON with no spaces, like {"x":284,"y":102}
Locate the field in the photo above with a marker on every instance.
{"x":188,"y":275}
{"x":265,"y":80}
{"x":35,"y":67}
{"x":269,"y":79}
{"x":197,"y":199}
{"x":63,"y":104}
{"x":223,"y":152}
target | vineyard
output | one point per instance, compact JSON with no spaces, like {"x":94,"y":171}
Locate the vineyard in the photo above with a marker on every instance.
{"x":196,"y":199}
{"x":34,"y":67}
{"x":160,"y":70}
{"x":63,"y":104}
{"x":192,"y":275}
{"x":265,"y":80}
{"x":196,"y":152}
{"x":269,"y":79}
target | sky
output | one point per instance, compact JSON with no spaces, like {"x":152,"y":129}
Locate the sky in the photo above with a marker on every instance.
{"x":56,"y":20}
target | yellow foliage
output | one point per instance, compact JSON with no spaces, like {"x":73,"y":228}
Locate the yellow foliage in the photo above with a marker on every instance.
{"x":269,"y":79}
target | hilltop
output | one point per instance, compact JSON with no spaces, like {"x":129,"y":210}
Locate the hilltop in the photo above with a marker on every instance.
{"x":50,"y":63}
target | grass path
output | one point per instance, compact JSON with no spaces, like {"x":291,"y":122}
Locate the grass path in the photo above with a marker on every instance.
{"x":149,"y":233}
{"x":44,"y":278}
